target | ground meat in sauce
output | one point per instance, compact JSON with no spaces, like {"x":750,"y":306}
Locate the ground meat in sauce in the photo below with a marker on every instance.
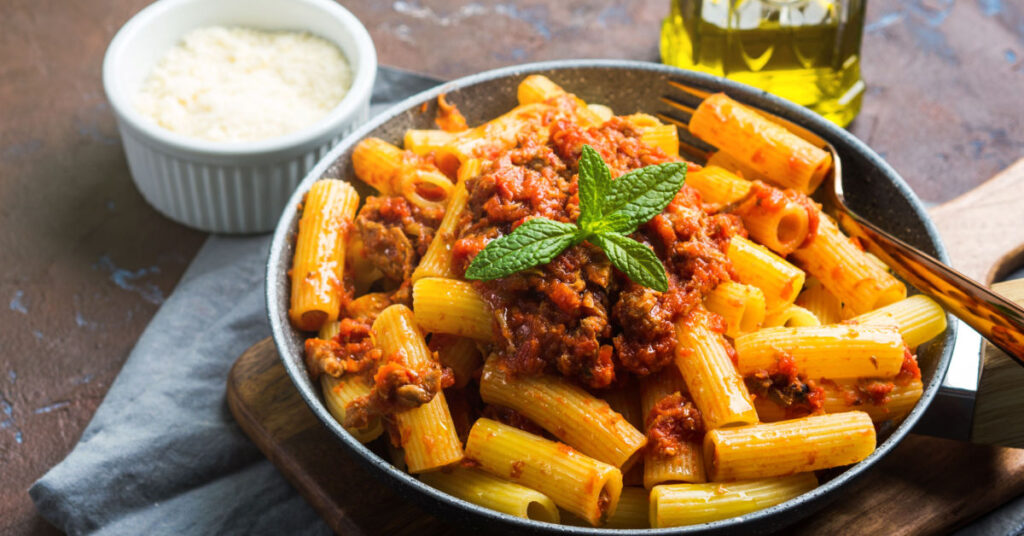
{"x":577,"y":315}
{"x":787,"y":388}
{"x":910,"y":370}
{"x":672,"y":421}
{"x":397,"y":387}
{"x":395,"y":235}
{"x":876,"y":391}
{"x":350,"y":351}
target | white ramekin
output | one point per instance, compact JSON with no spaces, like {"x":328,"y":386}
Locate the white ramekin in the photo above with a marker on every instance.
{"x":237,"y":187}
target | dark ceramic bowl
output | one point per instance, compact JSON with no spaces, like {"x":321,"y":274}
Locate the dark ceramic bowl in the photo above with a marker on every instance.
{"x":872,"y":188}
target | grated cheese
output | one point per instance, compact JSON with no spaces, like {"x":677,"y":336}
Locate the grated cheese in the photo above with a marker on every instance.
{"x":239,"y":84}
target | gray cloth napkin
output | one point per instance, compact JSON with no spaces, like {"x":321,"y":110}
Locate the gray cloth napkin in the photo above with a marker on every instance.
{"x":163,"y":455}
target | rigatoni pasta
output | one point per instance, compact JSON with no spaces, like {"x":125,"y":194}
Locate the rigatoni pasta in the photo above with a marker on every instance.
{"x":788,"y":447}
{"x":586,"y":487}
{"x":779,"y":155}
{"x":847,"y":272}
{"x":711,"y":378}
{"x":741,"y":306}
{"x":755,"y":265}
{"x":571,"y":414}
{"x":674,"y":505}
{"x":721,"y":393}
{"x":453,"y":307}
{"x":683,"y":463}
{"x":427,"y":433}
{"x":489,"y":491}
{"x":836,"y":351}
{"x":319,"y":266}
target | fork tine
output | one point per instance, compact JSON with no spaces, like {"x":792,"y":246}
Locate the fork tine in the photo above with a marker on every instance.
{"x":701,"y":156}
{"x":669,"y":119}
{"x":678,"y":105}
{"x":699,"y":93}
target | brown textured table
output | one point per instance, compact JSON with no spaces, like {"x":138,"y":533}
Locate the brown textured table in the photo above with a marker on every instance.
{"x":84,"y":262}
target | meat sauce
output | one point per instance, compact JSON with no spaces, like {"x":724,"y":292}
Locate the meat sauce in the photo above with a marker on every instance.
{"x":397,"y":387}
{"x":350,"y":351}
{"x":395,"y":235}
{"x":578,"y":316}
{"x":672,"y":421}
{"x":787,"y":388}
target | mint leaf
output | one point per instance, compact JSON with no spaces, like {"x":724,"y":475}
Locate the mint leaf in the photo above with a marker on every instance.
{"x":608,"y":211}
{"x":637,"y":196}
{"x":634,"y":259}
{"x":535,"y":242}
{"x":593,"y":182}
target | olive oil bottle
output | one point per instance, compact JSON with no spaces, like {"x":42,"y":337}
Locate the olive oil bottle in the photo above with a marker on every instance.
{"x":806,"y":51}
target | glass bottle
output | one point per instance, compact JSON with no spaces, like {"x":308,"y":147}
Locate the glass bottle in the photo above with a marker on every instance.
{"x":807,"y":51}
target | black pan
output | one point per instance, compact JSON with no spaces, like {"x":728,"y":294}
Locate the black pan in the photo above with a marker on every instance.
{"x":872,"y":189}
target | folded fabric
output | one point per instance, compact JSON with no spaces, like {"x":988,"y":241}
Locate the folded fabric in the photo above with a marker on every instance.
{"x":163,"y":454}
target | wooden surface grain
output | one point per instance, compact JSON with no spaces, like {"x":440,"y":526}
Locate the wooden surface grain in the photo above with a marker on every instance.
{"x":85,"y":262}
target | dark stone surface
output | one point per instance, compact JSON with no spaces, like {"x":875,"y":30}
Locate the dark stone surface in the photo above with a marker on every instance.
{"x":85,"y":262}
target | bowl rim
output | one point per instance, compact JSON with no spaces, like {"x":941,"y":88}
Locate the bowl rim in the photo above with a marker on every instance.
{"x":409,"y":486}
{"x":344,"y":112}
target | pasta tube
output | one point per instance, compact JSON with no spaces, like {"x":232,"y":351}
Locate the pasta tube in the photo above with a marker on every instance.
{"x":718,"y":185}
{"x":484,"y":489}
{"x":384,"y":167}
{"x":836,"y":351}
{"x":571,"y":414}
{"x":318,"y":267}
{"x":674,"y":505}
{"x":843,"y":395}
{"x":918,"y":318}
{"x":791,"y":316}
{"x":741,"y":306}
{"x":427,"y":432}
{"x":437,"y":261}
{"x":848,"y":395}
{"x":537,"y":88}
{"x":580,"y":484}
{"x":424,"y":142}
{"x":783,"y":157}
{"x":716,"y":388}
{"x":847,"y":272}
{"x":376,"y":162}
{"x":686,"y":465}
{"x":632,"y":512}
{"x":625,"y":400}
{"x":787,"y":447}
{"x":655,"y":133}
{"x":459,"y":354}
{"x":755,"y":265}
{"x":730,"y":163}
{"x":451,"y":306}
{"x":821,"y":303}
{"x":780,"y":220}
{"x":338,"y":392}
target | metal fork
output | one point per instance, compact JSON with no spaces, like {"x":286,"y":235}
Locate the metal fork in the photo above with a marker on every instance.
{"x":996,"y":318}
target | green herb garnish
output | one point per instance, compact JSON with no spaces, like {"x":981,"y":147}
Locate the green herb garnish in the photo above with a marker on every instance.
{"x":609,"y":210}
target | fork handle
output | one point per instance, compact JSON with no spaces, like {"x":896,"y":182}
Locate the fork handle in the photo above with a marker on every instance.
{"x":996,"y":318}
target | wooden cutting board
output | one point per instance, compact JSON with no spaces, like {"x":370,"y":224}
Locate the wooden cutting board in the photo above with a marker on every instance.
{"x":926,"y":485}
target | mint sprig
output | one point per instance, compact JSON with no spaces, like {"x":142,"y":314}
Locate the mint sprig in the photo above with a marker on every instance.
{"x":609,"y":210}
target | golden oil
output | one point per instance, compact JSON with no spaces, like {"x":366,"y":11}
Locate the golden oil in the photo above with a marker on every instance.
{"x":806,"y":51}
